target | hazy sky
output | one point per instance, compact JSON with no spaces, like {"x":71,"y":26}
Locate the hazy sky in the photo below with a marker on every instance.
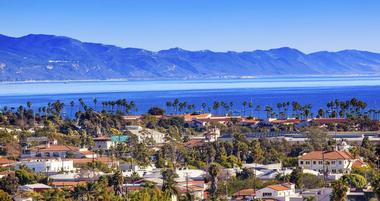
{"x":202,"y":24}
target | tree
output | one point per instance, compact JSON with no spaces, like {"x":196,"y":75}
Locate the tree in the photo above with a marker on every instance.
{"x":156,"y":111}
{"x":318,"y":139}
{"x":168,"y":185}
{"x":296,"y":177}
{"x":25,"y":176}
{"x":339,"y":192}
{"x":257,"y":151}
{"x":4,"y":196}
{"x":375,"y":183}
{"x":9,"y":184}
{"x":117,"y":181}
{"x":213,"y":171}
{"x":354,"y":180}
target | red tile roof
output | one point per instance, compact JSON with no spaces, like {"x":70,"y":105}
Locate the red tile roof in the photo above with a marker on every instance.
{"x":5,"y":161}
{"x":193,"y":143}
{"x":329,"y":120}
{"x":245,"y":192}
{"x":332,"y":155}
{"x":55,"y":147}
{"x":279,"y":187}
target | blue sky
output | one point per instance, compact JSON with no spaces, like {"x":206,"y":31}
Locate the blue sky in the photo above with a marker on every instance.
{"x":238,"y":25}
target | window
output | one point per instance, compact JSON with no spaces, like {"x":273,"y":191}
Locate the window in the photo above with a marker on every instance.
{"x":267,"y":194}
{"x":307,"y":162}
{"x":332,"y":162}
{"x":314,"y":162}
{"x":301,"y":162}
{"x":340,"y":162}
{"x":320,"y":162}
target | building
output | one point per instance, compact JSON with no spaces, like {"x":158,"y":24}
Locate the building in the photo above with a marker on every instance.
{"x":103,"y":143}
{"x":330,"y":161}
{"x":279,"y":192}
{"x":245,"y":194}
{"x":4,"y":162}
{"x":49,"y":165}
{"x":34,"y":188}
{"x":146,"y":133}
{"x":57,"y":151}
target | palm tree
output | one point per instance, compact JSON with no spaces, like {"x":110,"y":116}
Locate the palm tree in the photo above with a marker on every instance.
{"x":117,"y":182}
{"x":245,"y":103}
{"x":213,"y":171}
{"x":168,"y":185}
{"x":168,"y":105}
{"x":95,"y":102}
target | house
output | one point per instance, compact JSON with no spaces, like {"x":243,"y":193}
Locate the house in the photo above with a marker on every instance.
{"x":328,"y":161}
{"x":34,"y":187}
{"x":280,"y":192}
{"x":212,"y":135}
{"x":49,"y":165}
{"x":245,"y":194}
{"x":146,"y":133}
{"x":103,"y":143}
{"x":105,"y":160}
{"x":320,"y":194}
{"x":289,"y":121}
{"x":328,"y":121}
{"x":54,"y":150}
{"x":190,"y":117}
{"x":196,"y":188}
{"x":4,"y":162}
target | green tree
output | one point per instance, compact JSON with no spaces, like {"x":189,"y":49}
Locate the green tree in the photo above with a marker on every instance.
{"x":117,"y":181}
{"x":213,"y":171}
{"x":296,"y":177}
{"x":339,"y":192}
{"x":168,"y":185}
{"x":9,"y":184}
{"x":4,"y":196}
{"x":354,"y":180}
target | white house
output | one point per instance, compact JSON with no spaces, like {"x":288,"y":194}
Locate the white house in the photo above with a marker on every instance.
{"x":49,"y":166}
{"x":330,"y":161}
{"x":280,"y":192}
{"x":146,"y":133}
{"x":57,"y":151}
{"x":103,"y":143}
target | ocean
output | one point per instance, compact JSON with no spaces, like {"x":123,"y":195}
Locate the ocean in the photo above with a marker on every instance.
{"x":261,"y":91}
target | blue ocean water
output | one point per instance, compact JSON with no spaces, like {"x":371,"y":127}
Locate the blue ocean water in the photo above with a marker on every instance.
{"x":261,"y":91}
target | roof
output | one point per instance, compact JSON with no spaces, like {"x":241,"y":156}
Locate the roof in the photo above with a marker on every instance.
{"x":189,"y":117}
{"x":37,"y":186}
{"x":193,"y":142}
{"x":67,"y":183}
{"x":332,"y":155}
{"x":359,"y":163}
{"x":286,"y":121}
{"x":246,"y":192}
{"x":86,"y":152}
{"x":279,"y":187}
{"x":329,"y":120}
{"x":89,"y":160}
{"x":103,"y":138}
{"x":131,"y":117}
{"x":4,"y":161}
{"x":56,"y":147}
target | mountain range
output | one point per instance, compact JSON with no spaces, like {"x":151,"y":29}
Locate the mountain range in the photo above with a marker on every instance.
{"x":49,"y":57}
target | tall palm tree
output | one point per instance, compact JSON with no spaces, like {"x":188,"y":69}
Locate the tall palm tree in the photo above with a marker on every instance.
{"x":168,"y":185}
{"x":213,"y":171}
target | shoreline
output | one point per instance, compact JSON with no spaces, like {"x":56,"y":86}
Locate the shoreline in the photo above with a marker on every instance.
{"x":245,"y":77}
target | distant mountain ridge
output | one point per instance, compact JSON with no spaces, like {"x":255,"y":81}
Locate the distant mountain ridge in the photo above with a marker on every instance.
{"x":49,"y":57}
